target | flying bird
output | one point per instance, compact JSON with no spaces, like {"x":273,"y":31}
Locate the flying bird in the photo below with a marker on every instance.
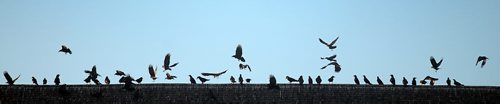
{"x":239,"y":53}
{"x":430,"y":78}
{"x":301,"y":80}
{"x":88,"y":79}
{"x":119,"y":73}
{"x":33,"y":79}
{"x":232,"y":80}
{"x":366,"y":80}
{"x":330,"y":80}
{"x":152,"y":72}
{"x":435,"y":65}
{"x":380,"y":83}
{"x":310,"y":80}
{"x":330,"y":58}
{"x":240,"y":79}
{"x":193,"y":81}
{"x":214,"y":74}
{"x":405,"y":82}
{"x":57,"y":80}
{"x":107,"y":81}
{"x":244,"y":66}
{"x":457,"y":83}
{"x":44,"y":81}
{"x":318,"y":80}
{"x":334,"y":63}
{"x":330,"y":45}
{"x":248,"y":80}
{"x":9,"y":79}
{"x":414,"y":81}
{"x":483,"y":59}
{"x":448,"y":81}
{"x":166,"y":63}
{"x":65,"y":50}
{"x":202,"y":80}
{"x":290,"y":79}
{"x":170,"y":77}
{"x":92,"y":73}
{"x":356,"y":80}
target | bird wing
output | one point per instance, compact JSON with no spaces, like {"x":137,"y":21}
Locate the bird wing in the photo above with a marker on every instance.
{"x":175,"y":64}
{"x":249,"y":69}
{"x":239,"y":51}
{"x":208,"y":74}
{"x":222,"y":72}
{"x":334,"y":41}
{"x":7,"y":76}
{"x":87,"y":71}
{"x":152,"y":72}
{"x":483,"y":63}
{"x":64,"y":47}
{"x":323,"y":42}
{"x":166,"y":62}
{"x":439,"y":63}
{"x":478,"y":59}
{"x":433,"y":61}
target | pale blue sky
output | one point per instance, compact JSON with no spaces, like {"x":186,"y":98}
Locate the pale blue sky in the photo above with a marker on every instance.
{"x":280,"y":37}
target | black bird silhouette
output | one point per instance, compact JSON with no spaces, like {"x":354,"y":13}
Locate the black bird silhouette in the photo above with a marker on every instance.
{"x":366,"y":80}
{"x":430,"y":78}
{"x":435,"y":65}
{"x":330,"y":45}
{"x":290,"y":79}
{"x":423,"y":82}
{"x":33,"y":79}
{"x":393,"y":81}
{"x":152,"y":72}
{"x":240,"y":79}
{"x":448,"y":81}
{"x":166,"y":63}
{"x":405,"y":82}
{"x":57,"y":80}
{"x":65,"y":49}
{"x":192,"y":79}
{"x":356,"y":80}
{"x":107,"y":81}
{"x":318,"y":80}
{"x":202,"y":80}
{"x":119,"y":73}
{"x":239,"y":53}
{"x":129,"y":85}
{"x":301,"y":80}
{"x":92,"y":73}
{"x":214,"y":74}
{"x":248,"y":80}
{"x":482,"y":58}
{"x":380,"y":83}
{"x":457,"y":83}
{"x":96,"y":81}
{"x":232,"y":80}
{"x":88,"y":79}
{"x":330,"y":58}
{"x":414,"y":81}
{"x":170,"y":77}
{"x":44,"y":81}
{"x":334,"y":63}
{"x":244,"y":66}
{"x":330,"y":80}
{"x":272,"y":82}
{"x":9,"y":79}
{"x":310,"y":80}
{"x":122,"y":79}
{"x":138,"y":80}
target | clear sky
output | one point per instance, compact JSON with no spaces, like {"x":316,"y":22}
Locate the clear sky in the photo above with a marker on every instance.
{"x":280,"y":37}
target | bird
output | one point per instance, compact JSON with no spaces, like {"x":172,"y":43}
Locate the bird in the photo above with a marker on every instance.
{"x":88,"y":79}
{"x":248,"y":80}
{"x":122,"y":79}
{"x":9,"y":79}
{"x":318,"y":80}
{"x":423,"y":82}
{"x":44,"y":81}
{"x":405,"y":82}
{"x":152,"y":72}
{"x":239,"y":53}
{"x":334,"y":63}
{"x":457,"y":83}
{"x":232,"y":80}
{"x":92,"y":73}
{"x":214,"y":74}
{"x":138,"y":80}
{"x":414,"y":81}
{"x":119,"y":73}
{"x":330,"y":58}
{"x":310,"y":80}
{"x":166,"y":63}
{"x":127,"y":79}
{"x":301,"y":80}
{"x":366,"y":80}
{"x":430,"y":78}
{"x":330,"y":80}
{"x":33,"y":79}
{"x":448,"y":81}
{"x":96,"y":81}
{"x":272,"y":82}
{"x":170,"y":77}
{"x":356,"y":80}
{"x":432,"y":82}
{"x":57,"y":80}
{"x":244,"y":66}
{"x":240,"y":79}
{"x":107,"y":81}
{"x":290,"y":79}
{"x":482,"y":58}
{"x":65,"y":50}
{"x":202,"y":80}
{"x":192,"y":79}
{"x":435,"y":65}
{"x":392,"y":80}
{"x":380,"y":83}
{"x":330,"y":45}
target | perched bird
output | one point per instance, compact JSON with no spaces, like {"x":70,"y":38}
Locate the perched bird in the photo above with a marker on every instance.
{"x":129,"y":85}
{"x":170,"y":77}
{"x":448,"y":81}
{"x":301,"y":80}
{"x":423,"y":82}
{"x":310,"y":80}
{"x":138,"y":80}
{"x":334,"y":63}
{"x":482,"y":58}
{"x":33,"y":79}
{"x":152,"y":72}
{"x":414,"y":81}
{"x":290,"y":79}
{"x":330,"y":80}
{"x":356,"y":80}
{"x":380,"y":83}
{"x":214,"y":74}
{"x":44,"y":81}
{"x":232,"y":80}
{"x":457,"y":83}
{"x":248,"y":80}
{"x":107,"y":81}
{"x":244,"y":66}
{"x":405,"y":82}
{"x":65,"y":49}
{"x":9,"y":79}
{"x":202,"y":80}
{"x":272,"y":83}
{"x":318,"y":80}
{"x":119,"y":73}
{"x":435,"y":65}
{"x":57,"y":80}
{"x":192,"y":79}
{"x":239,"y":53}
{"x":330,"y":45}
{"x":166,"y":63}
{"x":330,"y":58}
{"x":393,"y":81}
{"x":240,"y":79}
{"x":366,"y":80}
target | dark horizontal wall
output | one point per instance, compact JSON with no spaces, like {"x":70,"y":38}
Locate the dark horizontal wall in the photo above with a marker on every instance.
{"x":250,"y":93}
